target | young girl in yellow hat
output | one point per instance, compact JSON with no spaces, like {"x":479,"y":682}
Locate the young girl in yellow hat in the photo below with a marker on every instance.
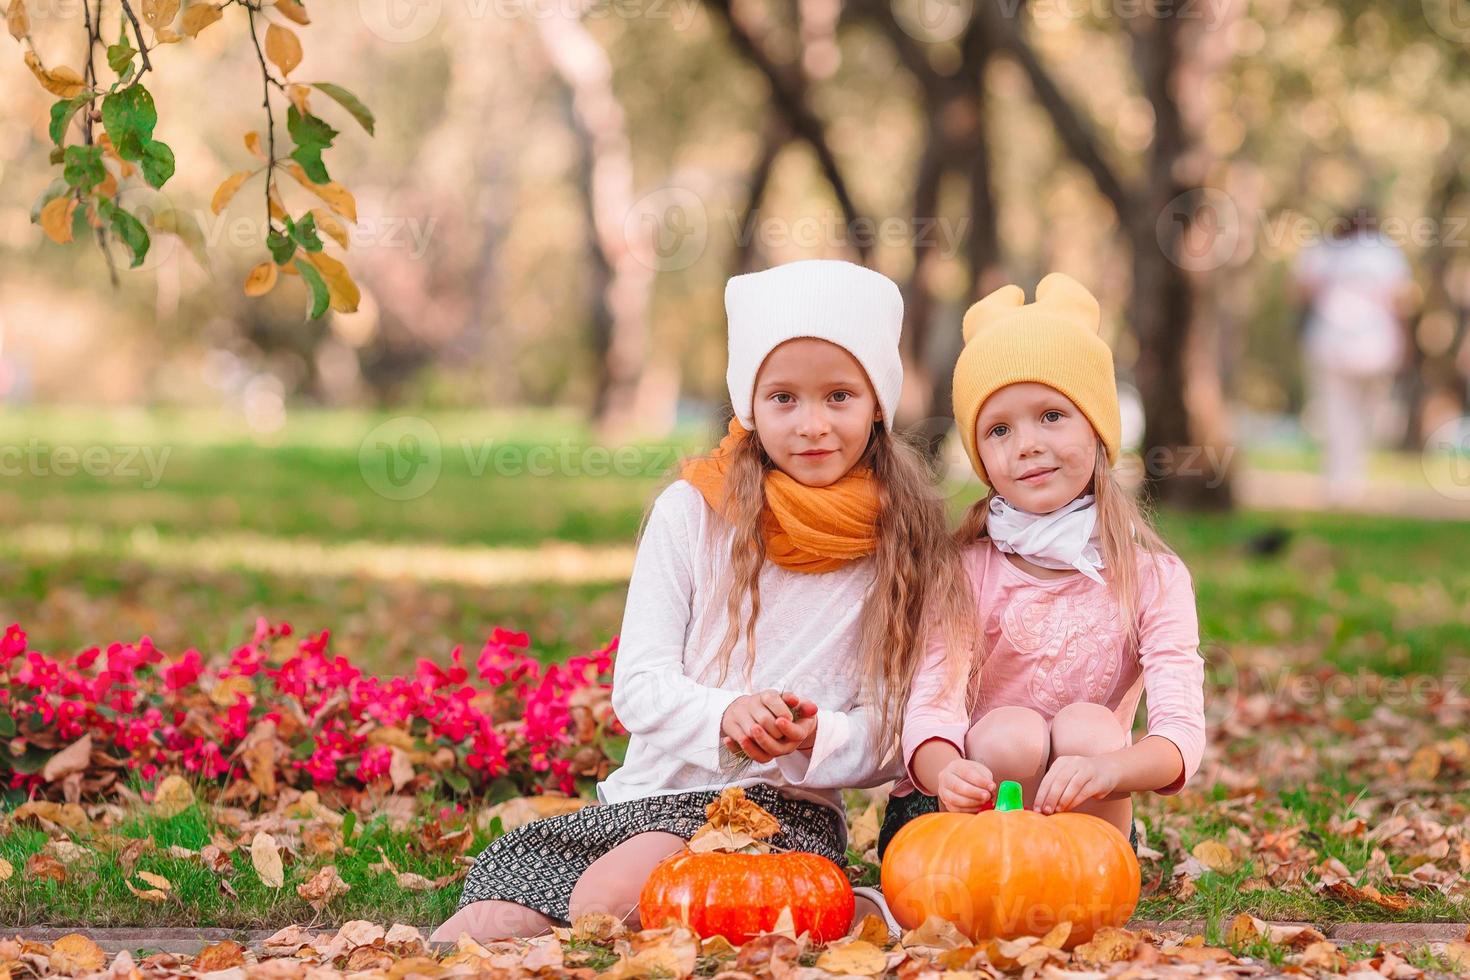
{"x":1082,"y":605}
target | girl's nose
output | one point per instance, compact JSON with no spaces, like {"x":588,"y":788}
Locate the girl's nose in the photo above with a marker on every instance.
{"x":814,"y":423}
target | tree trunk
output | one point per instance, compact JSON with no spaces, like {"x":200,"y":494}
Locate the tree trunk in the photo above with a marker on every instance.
{"x":621,"y":280}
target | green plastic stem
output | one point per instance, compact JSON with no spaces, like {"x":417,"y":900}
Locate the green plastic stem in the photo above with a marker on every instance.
{"x":1010,"y":796}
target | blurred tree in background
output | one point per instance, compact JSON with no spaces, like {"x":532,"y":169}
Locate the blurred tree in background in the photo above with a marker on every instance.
{"x":557,"y":191}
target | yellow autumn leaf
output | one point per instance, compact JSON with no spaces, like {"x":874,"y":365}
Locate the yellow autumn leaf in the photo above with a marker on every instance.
{"x":1424,"y":765}
{"x":854,"y":959}
{"x":345,"y":296}
{"x":166,"y":35}
{"x":61,"y":80}
{"x":147,"y":894}
{"x":227,"y":189}
{"x":75,"y":954}
{"x":252,"y":143}
{"x":1215,"y":856}
{"x":265,"y":856}
{"x":56,"y":218}
{"x":157,"y":881}
{"x":338,"y":198}
{"x":282,"y":47}
{"x":299,"y":96}
{"x":7,"y":870}
{"x":262,"y":279}
{"x":200,"y":16}
{"x":292,"y":10}
{"x":160,"y":13}
{"x":327,"y":223}
{"x":173,"y":796}
{"x":17,"y":20}
{"x":278,"y":210}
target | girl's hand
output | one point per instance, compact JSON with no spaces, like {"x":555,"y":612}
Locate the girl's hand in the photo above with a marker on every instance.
{"x":965,"y":786}
{"x":769,"y":724}
{"x":1073,"y":780}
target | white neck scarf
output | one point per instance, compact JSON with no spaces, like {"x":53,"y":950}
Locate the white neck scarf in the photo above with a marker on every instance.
{"x":1065,"y":538}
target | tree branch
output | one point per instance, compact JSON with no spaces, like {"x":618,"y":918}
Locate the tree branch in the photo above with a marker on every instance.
{"x":270,"y":119}
{"x":1076,"y":132}
{"x":138,"y":30}
{"x":789,"y":97}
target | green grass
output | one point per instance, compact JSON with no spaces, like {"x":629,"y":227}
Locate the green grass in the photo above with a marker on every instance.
{"x":502,"y":481}
{"x":96,"y":892}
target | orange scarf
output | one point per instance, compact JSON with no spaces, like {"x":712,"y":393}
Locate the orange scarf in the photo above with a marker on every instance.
{"x":807,"y":529}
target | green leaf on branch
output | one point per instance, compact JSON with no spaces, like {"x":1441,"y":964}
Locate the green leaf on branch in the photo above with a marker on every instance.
{"x":61,"y":113}
{"x":304,"y":232}
{"x":130,"y":116}
{"x":319,"y":295}
{"x":312,"y":135}
{"x":350,"y":102}
{"x":84,"y":169}
{"x":120,"y":56}
{"x":127,"y":228}
{"x":282,"y":247}
{"x":157,"y":163}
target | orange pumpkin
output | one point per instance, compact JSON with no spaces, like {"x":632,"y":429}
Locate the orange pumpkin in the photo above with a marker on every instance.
{"x":740,"y":896}
{"x":1010,"y":872}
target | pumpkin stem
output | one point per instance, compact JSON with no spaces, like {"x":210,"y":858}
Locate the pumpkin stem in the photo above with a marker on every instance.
{"x":1010,"y":796}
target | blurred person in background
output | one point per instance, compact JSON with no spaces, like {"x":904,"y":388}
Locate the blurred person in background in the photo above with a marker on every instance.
{"x":1355,"y":286}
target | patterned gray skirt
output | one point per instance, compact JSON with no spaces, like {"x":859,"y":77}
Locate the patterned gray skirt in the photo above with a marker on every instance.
{"x":538,"y":864}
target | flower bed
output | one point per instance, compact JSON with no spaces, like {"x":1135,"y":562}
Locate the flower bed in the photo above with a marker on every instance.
{"x":283,"y":711}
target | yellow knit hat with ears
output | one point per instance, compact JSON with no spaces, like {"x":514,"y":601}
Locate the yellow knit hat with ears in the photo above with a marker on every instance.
{"x":1053,"y":341}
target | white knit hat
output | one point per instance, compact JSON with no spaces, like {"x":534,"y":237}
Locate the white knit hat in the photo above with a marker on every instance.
{"x":855,"y":308}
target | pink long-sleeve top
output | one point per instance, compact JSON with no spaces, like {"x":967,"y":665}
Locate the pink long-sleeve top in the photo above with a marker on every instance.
{"x":1052,"y":642}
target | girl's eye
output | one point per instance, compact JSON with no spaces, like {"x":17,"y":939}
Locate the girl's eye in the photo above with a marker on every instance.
{"x":1052,"y":416}
{"x":998,"y":431}
{"x":781,"y":398}
{"x":841,"y":396}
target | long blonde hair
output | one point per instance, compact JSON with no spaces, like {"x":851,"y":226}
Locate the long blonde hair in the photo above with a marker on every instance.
{"x":1124,"y":527}
{"x":918,"y":593}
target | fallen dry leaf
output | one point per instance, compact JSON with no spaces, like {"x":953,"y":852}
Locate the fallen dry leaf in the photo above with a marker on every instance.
{"x":855,"y":958}
{"x":872,"y":930}
{"x":74,"y":758}
{"x":934,"y":933}
{"x":1108,"y":945}
{"x":50,"y":816}
{"x":735,"y":823}
{"x":323,"y":887}
{"x":597,"y":927}
{"x":265,"y":856}
{"x":6,"y":869}
{"x":221,"y":956}
{"x":173,"y":796}
{"x":1215,"y":856}
{"x":75,"y":954}
{"x":41,"y":867}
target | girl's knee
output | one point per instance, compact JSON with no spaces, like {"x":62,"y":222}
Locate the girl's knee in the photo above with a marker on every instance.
{"x":490,"y":920}
{"x":611,"y":885}
{"x":1084,"y":728}
{"x":1012,"y":740}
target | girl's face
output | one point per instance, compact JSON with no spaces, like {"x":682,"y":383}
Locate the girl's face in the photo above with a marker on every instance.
{"x":1037,"y":447}
{"x":814,"y":410}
